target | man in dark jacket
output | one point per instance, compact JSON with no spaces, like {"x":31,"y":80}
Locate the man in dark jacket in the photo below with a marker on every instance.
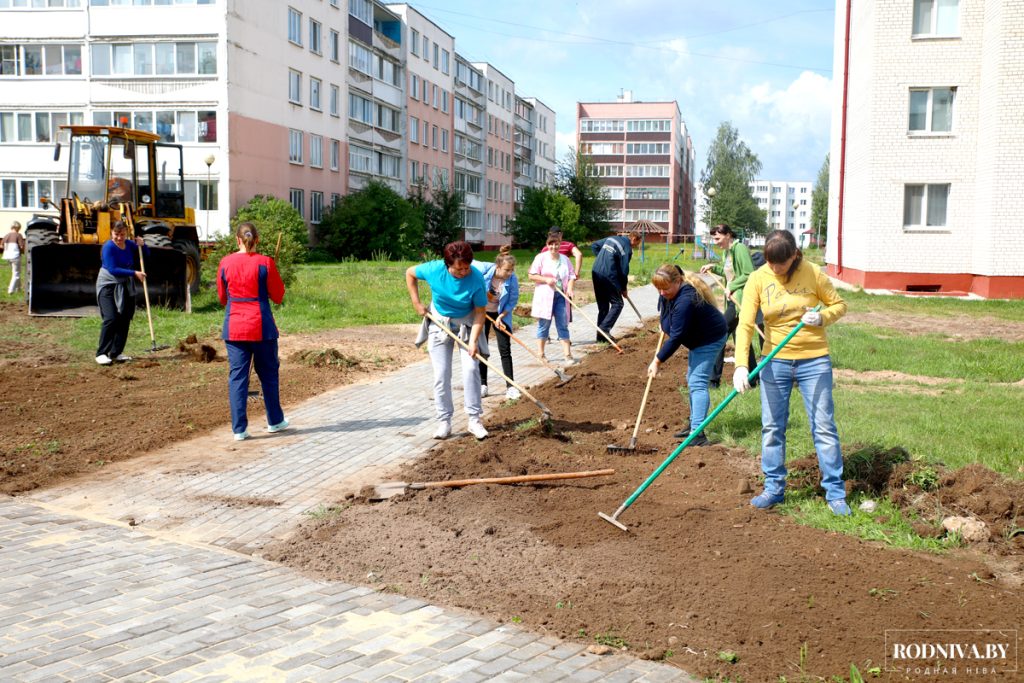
{"x":610,"y":274}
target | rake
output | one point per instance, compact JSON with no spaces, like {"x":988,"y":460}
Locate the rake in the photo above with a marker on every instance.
{"x":580,"y":309}
{"x":614,"y":518}
{"x":631,"y":448}
{"x":562,"y":376}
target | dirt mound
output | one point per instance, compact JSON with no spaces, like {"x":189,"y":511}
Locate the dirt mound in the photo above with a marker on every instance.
{"x":202,"y":353}
{"x":324,"y":358}
{"x":700,"y":575}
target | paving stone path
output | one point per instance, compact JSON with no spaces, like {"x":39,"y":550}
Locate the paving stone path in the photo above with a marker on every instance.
{"x":150,"y":570}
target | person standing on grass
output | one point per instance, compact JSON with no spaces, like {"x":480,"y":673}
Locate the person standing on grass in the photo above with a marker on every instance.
{"x":115,"y":292}
{"x":246,"y":284}
{"x":568,"y":249}
{"x":735,"y":267}
{"x":551,"y":270}
{"x":502,"y":297}
{"x":786,"y":291}
{"x":610,"y":274}
{"x":689,"y":318}
{"x":13,"y":248}
{"x":458,"y":300}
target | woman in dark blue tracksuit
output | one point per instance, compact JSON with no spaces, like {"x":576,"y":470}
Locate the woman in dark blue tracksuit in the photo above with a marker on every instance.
{"x":246,"y":283}
{"x":689,"y":318}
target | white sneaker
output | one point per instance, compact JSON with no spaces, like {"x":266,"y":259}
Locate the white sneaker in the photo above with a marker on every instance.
{"x":121,"y":358}
{"x":571,"y":361}
{"x":279,"y":427}
{"x":513,"y":394}
{"x":103,"y":359}
{"x":483,"y":390}
{"x":242,"y":436}
{"x":476,"y":428}
{"x":444,"y":429}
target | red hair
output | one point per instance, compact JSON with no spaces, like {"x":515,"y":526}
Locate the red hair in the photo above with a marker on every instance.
{"x":458,"y":251}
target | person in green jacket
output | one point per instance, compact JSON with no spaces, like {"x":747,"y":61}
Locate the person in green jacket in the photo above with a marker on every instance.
{"x":735,"y":266}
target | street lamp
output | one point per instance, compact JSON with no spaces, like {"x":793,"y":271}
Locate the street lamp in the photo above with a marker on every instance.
{"x":710,"y":192}
{"x":796,"y":207}
{"x":209,"y":162}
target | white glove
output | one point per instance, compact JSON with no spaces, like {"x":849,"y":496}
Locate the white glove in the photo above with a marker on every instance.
{"x":811,"y":318}
{"x":739,"y":380}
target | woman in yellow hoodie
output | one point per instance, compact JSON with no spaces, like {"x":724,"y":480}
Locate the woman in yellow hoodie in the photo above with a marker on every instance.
{"x":786,"y":292}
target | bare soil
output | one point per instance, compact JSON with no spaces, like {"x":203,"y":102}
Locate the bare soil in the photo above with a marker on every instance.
{"x":700,"y":574}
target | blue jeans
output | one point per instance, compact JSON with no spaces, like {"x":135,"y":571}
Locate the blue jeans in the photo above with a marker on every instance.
{"x":561,"y":322}
{"x":262,"y":354}
{"x":813,"y":377}
{"x":700,"y":365}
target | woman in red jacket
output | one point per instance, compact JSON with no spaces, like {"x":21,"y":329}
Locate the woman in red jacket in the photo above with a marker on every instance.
{"x":246,"y":283}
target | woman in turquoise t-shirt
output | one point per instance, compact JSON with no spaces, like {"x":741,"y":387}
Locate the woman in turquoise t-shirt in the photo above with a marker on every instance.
{"x":459,"y":298}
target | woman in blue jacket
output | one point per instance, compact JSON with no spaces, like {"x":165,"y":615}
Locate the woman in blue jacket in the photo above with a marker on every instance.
{"x":115,"y":292}
{"x":689,"y":318}
{"x":502,"y":297}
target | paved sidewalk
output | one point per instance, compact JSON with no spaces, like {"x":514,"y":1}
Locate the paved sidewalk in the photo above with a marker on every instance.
{"x":164,"y":594}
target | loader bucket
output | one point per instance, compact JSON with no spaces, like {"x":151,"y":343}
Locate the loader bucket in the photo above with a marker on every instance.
{"x":62,"y":279}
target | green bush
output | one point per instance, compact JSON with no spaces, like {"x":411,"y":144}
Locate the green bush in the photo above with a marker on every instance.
{"x":273,"y":218}
{"x":373,"y":220}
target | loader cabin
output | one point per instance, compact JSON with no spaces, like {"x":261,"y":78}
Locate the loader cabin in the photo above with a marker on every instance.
{"x":110,"y":165}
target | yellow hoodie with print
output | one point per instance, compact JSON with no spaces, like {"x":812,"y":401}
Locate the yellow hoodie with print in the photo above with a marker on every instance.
{"x":783,"y":304}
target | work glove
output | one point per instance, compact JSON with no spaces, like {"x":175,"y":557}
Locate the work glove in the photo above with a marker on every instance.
{"x":811,"y":318}
{"x":740,"y":381}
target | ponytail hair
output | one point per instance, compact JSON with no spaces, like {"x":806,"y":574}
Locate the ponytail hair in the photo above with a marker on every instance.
{"x":505,"y":257}
{"x":669,"y":274}
{"x":248,"y":234}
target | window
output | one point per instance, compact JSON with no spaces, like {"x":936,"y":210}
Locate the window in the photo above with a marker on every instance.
{"x":936,"y":17}
{"x":39,"y":126}
{"x":172,"y":126}
{"x":201,"y":194}
{"x":444,"y":100}
{"x":359,"y":58}
{"x":360,"y":109}
{"x":426,"y":48}
{"x":361,"y":10}
{"x":387,"y":118}
{"x":25,"y":193}
{"x":316,"y":206}
{"x":335,"y":154}
{"x":426,"y":133}
{"x":436,"y":98}
{"x":335,"y":103}
{"x":601,"y":126}
{"x":161,"y":59}
{"x":437,"y":55}
{"x":334,"y":45}
{"x":314,"y":36}
{"x":426,"y":85}
{"x":931,"y":110}
{"x":433,"y":137}
{"x":445,"y":61}
{"x":444,"y":140}
{"x":295,"y":198}
{"x":414,"y":171}
{"x":414,"y":129}
{"x":414,"y":86}
{"x":314,"y":93}
{"x":316,"y":151}
{"x":924,"y":206}
{"x":40,"y":60}
{"x":295,"y":146}
{"x":294,"y":26}
{"x":294,"y":87}
{"x":360,"y":159}
{"x":414,"y":41}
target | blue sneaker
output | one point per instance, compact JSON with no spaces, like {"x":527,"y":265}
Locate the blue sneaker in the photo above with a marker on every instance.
{"x":279,"y":427}
{"x":765,"y":500}
{"x":839,"y":507}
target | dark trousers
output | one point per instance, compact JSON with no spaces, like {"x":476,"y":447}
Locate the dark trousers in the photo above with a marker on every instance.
{"x":732,"y":320}
{"x":504,"y":350}
{"x":609,"y":303}
{"x":114,"y":330}
{"x":262,"y":354}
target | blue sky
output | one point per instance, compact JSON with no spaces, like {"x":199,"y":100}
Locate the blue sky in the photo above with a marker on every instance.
{"x":765,"y":65}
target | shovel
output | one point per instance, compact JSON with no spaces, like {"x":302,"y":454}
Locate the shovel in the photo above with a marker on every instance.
{"x":631,"y":448}
{"x":602,"y":332}
{"x":524,"y":392}
{"x":564,"y":378}
{"x":613,"y":519}
{"x":389,"y":489}
{"x":635,"y":310}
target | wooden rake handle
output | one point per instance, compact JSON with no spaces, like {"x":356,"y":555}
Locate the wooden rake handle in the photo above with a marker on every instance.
{"x":456,"y":483}
{"x":730,"y":297}
{"x":464,"y":345}
{"x":519,"y":341}
{"x":643,"y":402}
{"x":126,"y":213}
{"x":602,"y":332}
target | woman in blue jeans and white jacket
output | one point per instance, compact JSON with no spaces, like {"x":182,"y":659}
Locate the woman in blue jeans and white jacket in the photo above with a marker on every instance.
{"x":502,"y":297}
{"x":689,"y":318}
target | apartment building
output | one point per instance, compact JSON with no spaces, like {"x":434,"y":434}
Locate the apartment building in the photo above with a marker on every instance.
{"x":644,"y":158}
{"x":544,"y":160}
{"x":927,"y":153}
{"x":305,"y":100}
{"x":534,"y":146}
{"x":787,"y":206}
{"x":499,"y":202}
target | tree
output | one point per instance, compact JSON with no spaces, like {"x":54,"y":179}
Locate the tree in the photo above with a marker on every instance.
{"x":441,"y":209}
{"x":542,"y":209}
{"x":575,"y":180}
{"x":819,"y":203}
{"x":730,"y":169}
{"x":372,"y":222}
{"x":272,"y":217}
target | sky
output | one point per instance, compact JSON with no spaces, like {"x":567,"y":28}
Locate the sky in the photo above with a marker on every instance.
{"x":764,"y":65}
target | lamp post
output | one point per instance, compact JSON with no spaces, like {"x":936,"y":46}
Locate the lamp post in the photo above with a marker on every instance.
{"x":710,"y":192}
{"x":796,"y":207}
{"x":209,"y":162}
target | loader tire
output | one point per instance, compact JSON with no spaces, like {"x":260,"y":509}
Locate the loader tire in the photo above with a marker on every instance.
{"x":35,"y":238}
{"x":192,"y":263}
{"x":156,"y":240}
